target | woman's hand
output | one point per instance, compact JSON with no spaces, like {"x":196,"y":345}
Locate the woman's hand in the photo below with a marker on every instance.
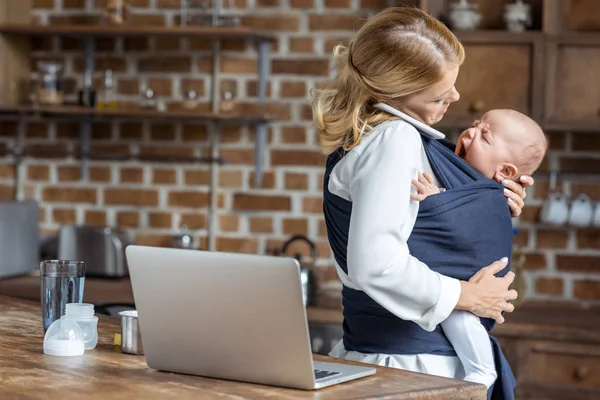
{"x":515,"y":192}
{"x":487,"y":296}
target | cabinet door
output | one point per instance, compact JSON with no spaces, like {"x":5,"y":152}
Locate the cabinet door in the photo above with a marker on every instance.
{"x":576,"y":91}
{"x":493,"y":76}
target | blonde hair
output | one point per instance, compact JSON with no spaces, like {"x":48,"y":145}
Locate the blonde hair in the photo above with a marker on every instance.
{"x":396,"y":53}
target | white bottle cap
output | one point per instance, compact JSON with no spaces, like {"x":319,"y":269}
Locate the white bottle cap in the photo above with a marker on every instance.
{"x":64,"y":338}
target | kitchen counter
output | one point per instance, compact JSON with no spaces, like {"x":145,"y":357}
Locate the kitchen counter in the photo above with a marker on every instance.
{"x":105,"y":372}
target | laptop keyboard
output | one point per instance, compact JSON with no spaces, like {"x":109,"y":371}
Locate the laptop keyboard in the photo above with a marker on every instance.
{"x":319,"y":374}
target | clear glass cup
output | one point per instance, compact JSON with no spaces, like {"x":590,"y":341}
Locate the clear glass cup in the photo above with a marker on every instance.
{"x":62,"y":282}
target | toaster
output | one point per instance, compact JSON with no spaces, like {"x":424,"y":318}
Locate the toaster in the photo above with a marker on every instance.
{"x":101,"y":248}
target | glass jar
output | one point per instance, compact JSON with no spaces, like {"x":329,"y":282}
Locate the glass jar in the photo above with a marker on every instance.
{"x":228,"y":96}
{"x":50,"y":89}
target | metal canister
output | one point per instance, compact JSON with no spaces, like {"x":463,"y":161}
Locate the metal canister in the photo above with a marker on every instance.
{"x":131,"y":339}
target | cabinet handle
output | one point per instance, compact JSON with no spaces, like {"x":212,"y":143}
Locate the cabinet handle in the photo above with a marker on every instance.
{"x":581,"y":373}
{"x":476,"y":106}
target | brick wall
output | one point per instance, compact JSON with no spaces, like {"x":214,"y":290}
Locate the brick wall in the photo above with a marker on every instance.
{"x":151,"y":200}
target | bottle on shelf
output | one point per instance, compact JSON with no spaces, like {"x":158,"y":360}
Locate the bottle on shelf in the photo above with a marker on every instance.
{"x":86,"y":96}
{"x":108,"y":97}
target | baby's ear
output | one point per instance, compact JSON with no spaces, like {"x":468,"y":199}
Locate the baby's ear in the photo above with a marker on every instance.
{"x":506,"y":171}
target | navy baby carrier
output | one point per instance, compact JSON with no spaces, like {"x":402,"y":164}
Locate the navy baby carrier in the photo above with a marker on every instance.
{"x":457,"y":232}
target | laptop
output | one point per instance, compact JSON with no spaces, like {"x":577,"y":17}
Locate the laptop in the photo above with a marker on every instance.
{"x":229,"y":316}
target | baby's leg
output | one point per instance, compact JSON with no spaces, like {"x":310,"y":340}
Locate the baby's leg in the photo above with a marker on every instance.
{"x":472,"y":345}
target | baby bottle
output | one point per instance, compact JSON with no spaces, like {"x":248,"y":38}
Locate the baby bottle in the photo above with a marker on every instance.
{"x":83,"y":314}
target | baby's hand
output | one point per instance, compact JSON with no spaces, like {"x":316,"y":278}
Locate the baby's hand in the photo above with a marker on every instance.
{"x":425,"y":187}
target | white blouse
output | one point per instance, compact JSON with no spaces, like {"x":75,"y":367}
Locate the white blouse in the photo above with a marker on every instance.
{"x":376,"y":177}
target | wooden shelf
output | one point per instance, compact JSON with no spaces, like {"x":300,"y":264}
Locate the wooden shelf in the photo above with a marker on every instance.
{"x":129,"y":31}
{"x":74,"y":111}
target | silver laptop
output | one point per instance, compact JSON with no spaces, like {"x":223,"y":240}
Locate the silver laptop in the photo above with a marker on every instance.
{"x":230,"y":316}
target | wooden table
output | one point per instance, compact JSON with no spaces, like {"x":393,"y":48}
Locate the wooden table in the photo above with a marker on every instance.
{"x":106,"y":373}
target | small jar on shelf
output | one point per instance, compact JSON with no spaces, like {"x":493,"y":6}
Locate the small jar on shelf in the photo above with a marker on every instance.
{"x":86,"y":96}
{"x":191,"y":100}
{"x":108,"y":98}
{"x":228,"y":95}
{"x":148,"y":100}
{"x":50,"y":88}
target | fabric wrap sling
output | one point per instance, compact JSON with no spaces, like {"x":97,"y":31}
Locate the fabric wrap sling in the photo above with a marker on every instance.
{"x":457,"y":232}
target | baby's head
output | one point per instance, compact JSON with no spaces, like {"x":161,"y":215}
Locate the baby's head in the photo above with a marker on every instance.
{"x":503,"y":144}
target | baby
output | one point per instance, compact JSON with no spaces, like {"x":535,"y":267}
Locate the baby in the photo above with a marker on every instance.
{"x":503,"y":144}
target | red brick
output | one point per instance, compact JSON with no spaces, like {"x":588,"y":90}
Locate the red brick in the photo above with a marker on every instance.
{"x":534,"y":261}
{"x":296,"y":181}
{"x":194,"y":221}
{"x":577,"y":263}
{"x":588,"y":239}
{"x":168,"y":176}
{"x":134,"y":197}
{"x":237,"y":245}
{"x":229,"y":223}
{"x":553,"y":286}
{"x":7,"y":192}
{"x":312,"y":205}
{"x":381,"y":4}
{"x":522,"y":237}
{"x":252,"y":89}
{"x":165,"y":64}
{"x":552,"y":238}
{"x":160,"y":220}
{"x":73,"y":4}
{"x":268,"y":181}
{"x":154,"y":240}
{"x":237,"y":156}
{"x":587,"y":289}
{"x":591,"y":189}
{"x":64,"y":216}
{"x":161,"y":86}
{"x":298,"y":157}
{"x":95,"y":217}
{"x":38,"y":172}
{"x":293,"y":134}
{"x":335,"y":22}
{"x":7,"y":171}
{"x":132,"y":175}
{"x":195,"y":177}
{"x":56,"y":194}
{"x":313,"y":67}
{"x":256,"y":202}
{"x":99,"y":174}
{"x":167,"y":44}
{"x":197,"y":85}
{"x":230,"y":179}
{"x":292,"y":89}
{"x":530,"y":214}
{"x":301,"y":44}
{"x":188,"y":198}
{"x":306,"y":112}
{"x":542,"y":188}
{"x":261,"y":224}
{"x":556,"y":140}
{"x":69,"y":174}
{"x":272,"y":22}
{"x":116,"y":64}
{"x":295,"y":226}
{"x":128,"y":219}
{"x":238,"y":65}
{"x":302,"y":3}
{"x":338,"y":3}
{"x":322,"y":229}
{"x":194,"y":133}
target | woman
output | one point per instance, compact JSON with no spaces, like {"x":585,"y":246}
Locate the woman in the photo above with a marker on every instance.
{"x":401,"y":60}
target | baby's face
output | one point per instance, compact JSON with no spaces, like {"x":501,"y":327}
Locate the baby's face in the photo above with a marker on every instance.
{"x":486,"y":144}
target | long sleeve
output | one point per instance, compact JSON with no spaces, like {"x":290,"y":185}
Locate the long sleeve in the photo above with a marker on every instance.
{"x":378,"y":177}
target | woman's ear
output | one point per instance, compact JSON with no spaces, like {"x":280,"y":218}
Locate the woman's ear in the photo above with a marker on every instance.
{"x":506,"y":171}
